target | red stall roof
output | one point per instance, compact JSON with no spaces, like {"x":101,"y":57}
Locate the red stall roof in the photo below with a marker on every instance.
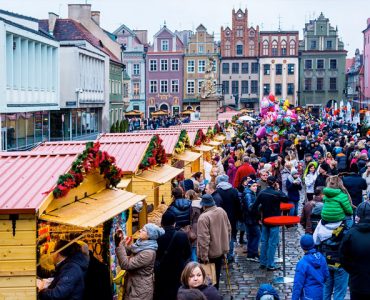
{"x":26,"y":176}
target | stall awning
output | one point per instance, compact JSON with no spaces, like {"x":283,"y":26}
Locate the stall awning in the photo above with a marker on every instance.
{"x":124,"y":183}
{"x":93,"y":210}
{"x":214,"y":143}
{"x":203,"y":148}
{"x":188,"y":156}
{"x":160,"y":175}
{"x":220,"y":138}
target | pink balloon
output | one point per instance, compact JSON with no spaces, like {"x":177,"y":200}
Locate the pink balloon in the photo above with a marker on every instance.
{"x":261,"y":132}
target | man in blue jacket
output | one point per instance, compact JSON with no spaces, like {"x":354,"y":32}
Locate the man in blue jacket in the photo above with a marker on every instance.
{"x":311,"y":272}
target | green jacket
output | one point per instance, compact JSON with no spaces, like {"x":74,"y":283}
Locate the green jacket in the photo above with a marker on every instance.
{"x":336,"y":205}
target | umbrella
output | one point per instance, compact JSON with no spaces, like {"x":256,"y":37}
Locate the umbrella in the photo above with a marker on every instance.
{"x":246,"y":118}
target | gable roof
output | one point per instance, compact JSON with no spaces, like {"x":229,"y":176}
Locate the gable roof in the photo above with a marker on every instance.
{"x":201,"y":28}
{"x":164,"y":28}
{"x":12,"y":14}
{"x":71,"y":30}
{"x":123,"y":27}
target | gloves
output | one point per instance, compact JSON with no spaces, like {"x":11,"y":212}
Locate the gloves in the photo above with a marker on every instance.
{"x":117,"y":238}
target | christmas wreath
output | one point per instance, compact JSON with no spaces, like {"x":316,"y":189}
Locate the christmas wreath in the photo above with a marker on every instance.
{"x":90,"y":159}
{"x":155,"y":155}
{"x":199,"y":137}
{"x":183,"y":142}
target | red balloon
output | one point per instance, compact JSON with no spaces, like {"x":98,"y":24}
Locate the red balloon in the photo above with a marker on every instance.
{"x":272,"y":97}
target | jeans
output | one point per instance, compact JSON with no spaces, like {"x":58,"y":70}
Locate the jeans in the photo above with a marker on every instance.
{"x":253,"y":236}
{"x":336,"y":284}
{"x":194,"y":256}
{"x":269,"y":242}
{"x":294,"y":210}
{"x":230,"y":255}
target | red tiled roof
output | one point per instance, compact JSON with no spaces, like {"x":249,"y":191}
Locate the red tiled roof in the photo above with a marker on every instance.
{"x":71,"y":30}
{"x":26,"y":176}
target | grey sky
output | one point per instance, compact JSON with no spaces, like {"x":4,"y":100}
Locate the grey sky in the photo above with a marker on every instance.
{"x":349,"y":16}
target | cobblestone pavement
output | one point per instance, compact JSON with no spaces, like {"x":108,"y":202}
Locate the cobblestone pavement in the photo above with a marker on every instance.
{"x":246,"y":277}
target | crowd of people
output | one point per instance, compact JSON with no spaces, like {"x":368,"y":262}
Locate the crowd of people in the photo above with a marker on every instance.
{"x":324,"y":171}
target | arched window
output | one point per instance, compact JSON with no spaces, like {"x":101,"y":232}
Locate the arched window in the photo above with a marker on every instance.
{"x":292,"y":50}
{"x":251,"y":48}
{"x":189,"y":107}
{"x":274,"y":49}
{"x":164,"y":106}
{"x":283,"y":48}
{"x":197,"y":108}
{"x":265,"y":48}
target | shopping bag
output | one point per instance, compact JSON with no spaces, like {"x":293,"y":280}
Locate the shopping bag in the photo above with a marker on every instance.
{"x":210,"y":270}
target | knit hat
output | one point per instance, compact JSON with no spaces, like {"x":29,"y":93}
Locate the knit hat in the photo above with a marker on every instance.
{"x":307,"y":242}
{"x":168,"y":219}
{"x":293,"y":172}
{"x":363,"y":211}
{"x":307,"y":154}
{"x":153,"y":231}
{"x":222,"y":178}
{"x":251,"y":182}
{"x":353,"y":168}
{"x":231,"y":161}
{"x":207,"y":200}
{"x":188,"y":185}
{"x":325,"y":167}
{"x":263,"y":160}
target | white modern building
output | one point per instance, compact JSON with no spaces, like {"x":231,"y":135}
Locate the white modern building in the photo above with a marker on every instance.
{"x":29,"y":81}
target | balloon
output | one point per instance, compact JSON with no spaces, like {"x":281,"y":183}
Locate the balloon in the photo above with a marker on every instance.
{"x":261,"y":132}
{"x":276,"y":129}
{"x":264,"y":103}
{"x":279,"y":119}
{"x":272,"y":97}
{"x":289,"y":112}
{"x":282,"y":131}
{"x":286,"y":103}
{"x":287,"y":120}
{"x":275,"y":138}
{"x":264,"y":111}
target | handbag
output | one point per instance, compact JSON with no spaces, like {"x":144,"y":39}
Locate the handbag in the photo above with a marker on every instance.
{"x":210,"y":270}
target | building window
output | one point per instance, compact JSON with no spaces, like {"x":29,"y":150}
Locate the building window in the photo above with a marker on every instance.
{"x":329,"y":45}
{"x":136,"y":69}
{"x":320,"y":64}
{"x":265,"y":48}
{"x":174,"y":86}
{"x":201,"y":66}
{"x":235,"y":68}
{"x":225,"y":68}
{"x":136,"y":88}
{"x":226,"y":87}
{"x":164,"y":65}
{"x":266,"y":69}
{"x":191,"y":66}
{"x":239,"y":49}
{"x":254,"y":68}
{"x":165,"y":45}
{"x":274,"y":49}
{"x":136,"y":107}
{"x":153,"y":86}
{"x":308,"y":64}
{"x":266,"y":89}
{"x":254,"y":87}
{"x":251,"y":48}
{"x":292,"y":50}
{"x":235,"y":87}
{"x":174,"y":64}
{"x":164,"y":86}
{"x":244,"y":87}
{"x":313,"y":45}
{"x":333,"y":64}
{"x":153,"y":65}
{"x":333,"y":84}
{"x":308,"y":84}
{"x":227,"y":48}
{"x":278,"y":89}
{"x":245,"y":68}
{"x":190,"y":87}
{"x":279,"y":69}
{"x":283,"y":48}
{"x":201,"y":49}
{"x":290,"y":69}
{"x":200,"y":83}
{"x":290,"y":88}
{"x":320,"y":84}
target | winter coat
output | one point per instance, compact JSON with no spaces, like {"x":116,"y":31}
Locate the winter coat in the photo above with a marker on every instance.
{"x":310,"y":275}
{"x":69,"y":280}
{"x":355,"y":184}
{"x":209,"y":291}
{"x":309,"y":181}
{"x":216,"y":196}
{"x":214,"y":233}
{"x":231,"y":172}
{"x":367,"y":179}
{"x":307,"y":215}
{"x":243,"y":171}
{"x":230,"y":203}
{"x":181,"y":208}
{"x":140,"y":273}
{"x":284,"y":176}
{"x":293,"y":189}
{"x":342,"y":161}
{"x":250,"y":217}
{"x":267,"y":289}
{"x":196,"y":210}
{"x":336,"y":205}
{"x":320,"y":181}
{"x":355,"y":259}
{"x":171,"y":263}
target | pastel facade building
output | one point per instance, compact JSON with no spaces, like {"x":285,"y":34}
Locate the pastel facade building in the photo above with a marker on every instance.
{"x":366,"y":87}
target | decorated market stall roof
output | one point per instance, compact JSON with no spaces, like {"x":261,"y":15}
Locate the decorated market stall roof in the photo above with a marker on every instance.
{"x":227,"y":115}
{"x":188,"y":156}
{"x":160,"y":175}
{"x":160,"y":112}
{"x":22,"y":187}
{"x":188,"y":112}
{"x":94,"y":209}
{"x":133,"y":113}
{"x":203,"y":148}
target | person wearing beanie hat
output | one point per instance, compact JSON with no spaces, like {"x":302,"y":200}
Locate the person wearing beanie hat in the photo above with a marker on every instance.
{"x":322,"y":176}
{"x":355,"y":185}
{"x":311,"y":272}
{"x":139,"y":265}
{"x":213,"y":234}
{"x":354,"y":253}
{"x":174,"y":250}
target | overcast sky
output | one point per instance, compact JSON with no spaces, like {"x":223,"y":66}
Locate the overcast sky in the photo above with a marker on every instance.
{"x":349,"y":16}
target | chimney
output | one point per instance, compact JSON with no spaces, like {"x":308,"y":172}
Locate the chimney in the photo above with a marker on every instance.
{"x":79,"y":12}
{"x":52,"y":20}
{"x":95,"y":15}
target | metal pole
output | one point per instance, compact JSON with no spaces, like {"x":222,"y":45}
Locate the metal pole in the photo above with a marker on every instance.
{"x":284,"y":271}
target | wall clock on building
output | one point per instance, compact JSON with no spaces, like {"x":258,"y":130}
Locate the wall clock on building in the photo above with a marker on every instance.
{"x":227,"y":32}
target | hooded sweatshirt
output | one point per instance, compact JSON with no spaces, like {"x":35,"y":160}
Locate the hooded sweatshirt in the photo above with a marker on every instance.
{"x":310,"y":276}
{"x":181,"y":208}
{"x":336,"y":205}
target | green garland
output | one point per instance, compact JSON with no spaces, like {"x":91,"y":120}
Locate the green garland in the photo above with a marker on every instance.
{"x":155,"y":155}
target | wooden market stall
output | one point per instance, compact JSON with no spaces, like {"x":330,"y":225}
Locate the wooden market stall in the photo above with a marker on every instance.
{"x":71,"y":195}
{"x":134,"y":113}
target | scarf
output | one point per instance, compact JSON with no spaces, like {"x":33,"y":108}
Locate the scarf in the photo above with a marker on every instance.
{"x":141,"y":245}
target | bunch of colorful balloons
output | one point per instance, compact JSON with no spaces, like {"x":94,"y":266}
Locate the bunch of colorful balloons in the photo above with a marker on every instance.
{"x":276,"y":117}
